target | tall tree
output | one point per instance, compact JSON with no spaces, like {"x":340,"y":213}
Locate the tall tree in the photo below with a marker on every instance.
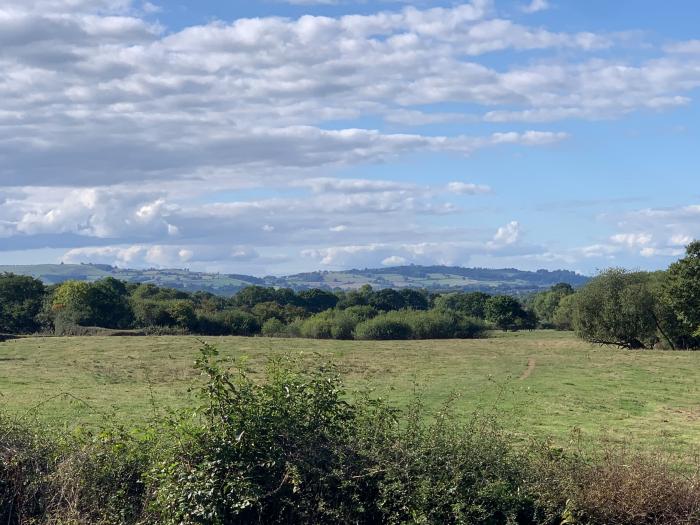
{"x":682,"y":290}
{"x":618,"y":308}
{"x":505,"y":312}
{"x":21,"y":300}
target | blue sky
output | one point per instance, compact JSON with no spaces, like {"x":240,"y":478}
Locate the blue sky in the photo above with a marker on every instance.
{"x":281,"y":136}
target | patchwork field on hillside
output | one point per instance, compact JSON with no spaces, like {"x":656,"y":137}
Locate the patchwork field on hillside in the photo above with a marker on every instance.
{"x":539,"y":383}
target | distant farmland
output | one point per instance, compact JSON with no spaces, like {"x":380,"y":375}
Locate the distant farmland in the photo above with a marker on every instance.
{"x":434,"y":278}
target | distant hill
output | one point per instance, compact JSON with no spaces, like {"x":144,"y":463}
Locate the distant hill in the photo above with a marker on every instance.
{"x":434,"y":278}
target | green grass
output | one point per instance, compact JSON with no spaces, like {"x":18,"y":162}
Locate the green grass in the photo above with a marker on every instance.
{"x":650,"y":399}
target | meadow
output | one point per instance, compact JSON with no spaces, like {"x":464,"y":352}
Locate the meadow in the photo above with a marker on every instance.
{"x":541,"y":383}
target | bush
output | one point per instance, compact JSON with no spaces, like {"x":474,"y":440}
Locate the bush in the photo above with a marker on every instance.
{"x":344,"y":323}
{"x":319,"y":326}
{"x":292,"y":450}
{"x":240,"y":322}
{"x":627,"y":489}
{"x":274,"y":328}
{"x":429,"y":325}
{"x":466,"y":327}
{"x":383,"y":327}
{"x":414,"y":324}
{"x":79,"y":478}
{"x":362,"y":311}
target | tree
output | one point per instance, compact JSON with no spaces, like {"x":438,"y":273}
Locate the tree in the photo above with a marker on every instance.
{"x":252,"y":295}
{"x":618,"y":308}
{"x":682,"y":290}
{"x":317,"y":300}
{"x":563,"y":316}
{"x":472,"y":304}
{"x":71,"y":306}
{"x":546,"y":303}
{"x":272,"y":310}
{"x":151,"y":313}
{"x":108,"y":303}
{"x":182,"y":313}
{"x":505,"y":312}
{"x":21,"y":300}
{"x":414,"y":299}
{"x":387,"y":300}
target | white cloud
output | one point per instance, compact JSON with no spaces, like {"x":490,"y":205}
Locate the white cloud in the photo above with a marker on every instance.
{"x":632,"y":240}
{"x":688,"y":46}
{"x":680,"y":239}
{"x":536,"y":5}
{"x":508,"y":234}
{"x":466,"y":188}
{"x":161,"y":256}
{"x":394,"y":260}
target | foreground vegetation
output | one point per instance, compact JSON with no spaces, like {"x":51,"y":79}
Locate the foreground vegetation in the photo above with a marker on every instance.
{"x":293,"y":449}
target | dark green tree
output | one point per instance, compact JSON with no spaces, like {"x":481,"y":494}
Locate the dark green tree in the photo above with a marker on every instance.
{"x":505,"y":312}
{"x":252,"y":295}
{"x":316,"y":300}
{"x":21,"y":301}
{"x":415,"y":299}
{"x":546,"y":303}
{"x":387,"y":300}
{"x":682,"y":290}
{"x":618,"y":308}
{"x":472,"y":304}
{"x":108,"y":303}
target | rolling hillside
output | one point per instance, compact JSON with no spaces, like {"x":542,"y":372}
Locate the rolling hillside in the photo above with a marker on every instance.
{"x":435,"y":278}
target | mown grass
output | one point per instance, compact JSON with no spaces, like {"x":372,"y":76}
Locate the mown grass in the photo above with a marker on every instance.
{"x":649,"y":399}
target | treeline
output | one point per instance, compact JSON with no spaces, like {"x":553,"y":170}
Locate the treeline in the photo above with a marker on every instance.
{"x":78,"y":307}
{"x":297,"y":449}
{"x":634,"y":310}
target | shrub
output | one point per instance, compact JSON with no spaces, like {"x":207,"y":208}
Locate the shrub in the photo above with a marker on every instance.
{"x":413,"y":324}
{"x":429,"y":325}
{"x":292,"y":450}
{"x":240,"y":322}
{"x":344,"y":324}
{"x":274,"y":328}
{"x":383,"y":327}
{"x":319,"y":326}
{"x":466,"y":327}
{"x":362,"y":311}
{"x":149,"y":312}
{"x":78,"y":478}
{"x":212,"y":323}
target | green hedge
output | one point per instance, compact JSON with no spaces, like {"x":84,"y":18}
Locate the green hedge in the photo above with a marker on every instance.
{"x":412,"y":324}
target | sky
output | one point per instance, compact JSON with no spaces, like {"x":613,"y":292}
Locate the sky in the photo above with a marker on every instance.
{"x":274,"y":137}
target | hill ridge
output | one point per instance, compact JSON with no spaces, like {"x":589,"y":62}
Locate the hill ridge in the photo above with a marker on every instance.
{"x":432,"y":277}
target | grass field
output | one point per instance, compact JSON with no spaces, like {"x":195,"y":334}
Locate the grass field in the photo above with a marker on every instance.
{"x":540,"y":383}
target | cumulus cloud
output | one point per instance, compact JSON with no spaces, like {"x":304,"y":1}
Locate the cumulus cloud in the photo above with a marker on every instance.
{"x":125,"y":141}
{"x":507,"y":235}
